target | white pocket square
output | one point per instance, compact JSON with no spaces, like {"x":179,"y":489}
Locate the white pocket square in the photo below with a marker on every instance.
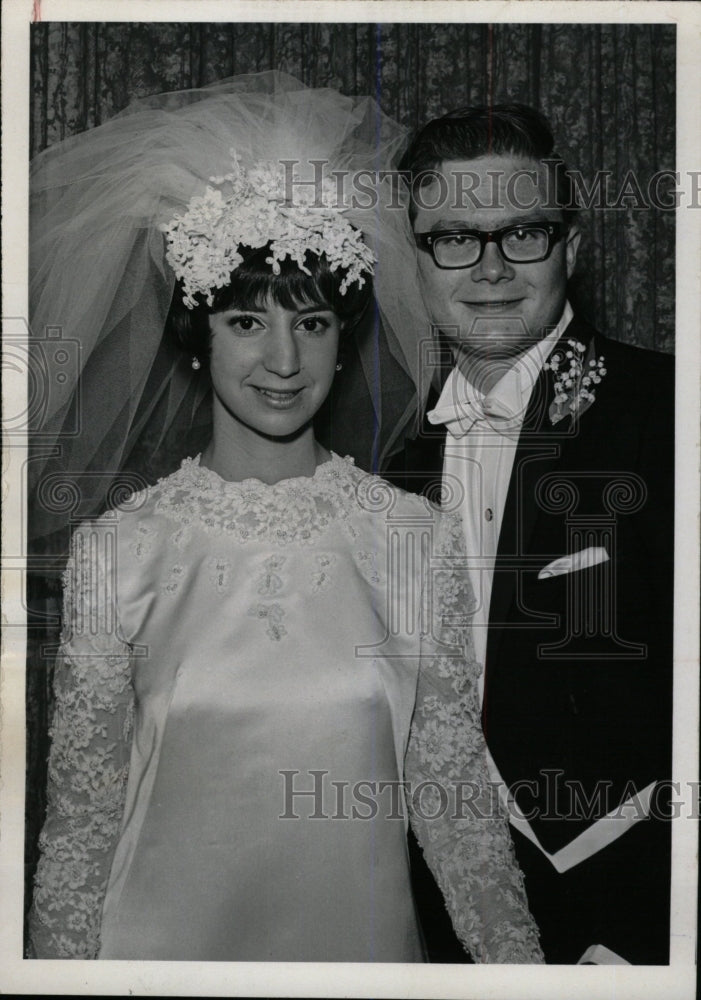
{"x":578,"y":560}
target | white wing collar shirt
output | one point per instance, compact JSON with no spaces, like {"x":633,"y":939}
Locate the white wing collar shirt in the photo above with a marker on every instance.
{"x":483,"y":432}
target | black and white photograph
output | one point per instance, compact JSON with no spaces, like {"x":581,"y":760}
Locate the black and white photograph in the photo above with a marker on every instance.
{"x":350,"y":499}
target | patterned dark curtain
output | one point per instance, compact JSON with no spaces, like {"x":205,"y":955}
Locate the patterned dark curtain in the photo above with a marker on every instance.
{"x":609,"y":91}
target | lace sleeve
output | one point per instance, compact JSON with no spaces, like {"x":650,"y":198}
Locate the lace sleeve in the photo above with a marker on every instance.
{"x":89,"y":758}
{"x":454,"y":812}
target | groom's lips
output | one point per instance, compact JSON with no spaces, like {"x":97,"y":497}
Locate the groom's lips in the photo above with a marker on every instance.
{"x":491,"y":303}
{"x":493,"y":307}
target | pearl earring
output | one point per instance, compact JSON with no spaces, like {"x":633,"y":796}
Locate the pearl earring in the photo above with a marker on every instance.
{"x":339,"y":366}
{"x":196,"y":365}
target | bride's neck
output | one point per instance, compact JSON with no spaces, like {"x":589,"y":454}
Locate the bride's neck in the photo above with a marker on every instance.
{"x":255,"y":456}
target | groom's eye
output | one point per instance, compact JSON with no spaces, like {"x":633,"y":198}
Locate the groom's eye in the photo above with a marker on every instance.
{"x":457,"y":241}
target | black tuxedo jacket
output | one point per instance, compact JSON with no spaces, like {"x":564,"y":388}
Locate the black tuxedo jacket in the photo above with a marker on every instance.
{"x":577,"y":707}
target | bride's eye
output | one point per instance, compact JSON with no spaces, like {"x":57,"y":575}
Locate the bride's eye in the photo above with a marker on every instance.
{"x":314,"y":324}
{"x":244,"y":323}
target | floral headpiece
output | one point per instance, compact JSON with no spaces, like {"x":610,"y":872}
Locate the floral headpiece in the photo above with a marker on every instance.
{"x":249,"y":208}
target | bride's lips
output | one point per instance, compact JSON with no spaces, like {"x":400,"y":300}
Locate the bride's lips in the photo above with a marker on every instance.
{"x":281,"y":399}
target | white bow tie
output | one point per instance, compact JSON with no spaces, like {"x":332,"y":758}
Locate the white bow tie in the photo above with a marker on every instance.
{"x":459,"y":416}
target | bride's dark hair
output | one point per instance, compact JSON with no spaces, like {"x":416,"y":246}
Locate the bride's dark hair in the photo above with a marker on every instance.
{"x":253,"y":284}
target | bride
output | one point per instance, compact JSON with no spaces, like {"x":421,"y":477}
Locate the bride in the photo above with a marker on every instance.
{"x":265,"y":673}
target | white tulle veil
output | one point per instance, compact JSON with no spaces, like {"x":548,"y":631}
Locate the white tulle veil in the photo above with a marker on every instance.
{"x":115,"y":394}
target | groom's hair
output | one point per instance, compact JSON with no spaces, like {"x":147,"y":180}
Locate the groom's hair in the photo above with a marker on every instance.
{"x":488,"y":130}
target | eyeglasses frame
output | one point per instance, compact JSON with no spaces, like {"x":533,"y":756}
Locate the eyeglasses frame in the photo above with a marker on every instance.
{"x":555,"y":232}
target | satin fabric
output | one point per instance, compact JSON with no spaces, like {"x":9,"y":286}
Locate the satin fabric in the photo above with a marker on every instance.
{"x":230,"y":695}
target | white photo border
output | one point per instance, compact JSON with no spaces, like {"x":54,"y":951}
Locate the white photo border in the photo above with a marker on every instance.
{"x":22,"y":976}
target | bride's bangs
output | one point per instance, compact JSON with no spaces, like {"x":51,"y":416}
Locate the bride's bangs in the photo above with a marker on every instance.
{"x":253,"y":285}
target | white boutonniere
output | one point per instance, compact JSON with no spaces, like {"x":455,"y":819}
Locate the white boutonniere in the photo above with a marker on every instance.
{"x":575,"y":374}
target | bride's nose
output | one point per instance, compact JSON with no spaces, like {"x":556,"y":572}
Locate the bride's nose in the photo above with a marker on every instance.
{"x":281,"y":351}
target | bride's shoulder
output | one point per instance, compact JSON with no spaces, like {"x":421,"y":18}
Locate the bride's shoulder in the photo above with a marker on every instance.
{"x":378,"y":494}
{"x":133,"y":502}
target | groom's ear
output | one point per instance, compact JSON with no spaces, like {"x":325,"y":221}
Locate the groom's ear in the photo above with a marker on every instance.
{"x":574,"y":237}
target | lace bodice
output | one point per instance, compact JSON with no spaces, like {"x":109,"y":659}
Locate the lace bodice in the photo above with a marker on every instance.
{"x":279,"y":565}
{"x":249,"y":511}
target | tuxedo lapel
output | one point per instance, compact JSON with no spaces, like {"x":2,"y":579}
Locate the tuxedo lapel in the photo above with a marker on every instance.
{"x":537,"y":443}
{"x":542,"y":448}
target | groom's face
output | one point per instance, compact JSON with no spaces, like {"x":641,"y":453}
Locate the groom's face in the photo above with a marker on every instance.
{"x":493,"y":308}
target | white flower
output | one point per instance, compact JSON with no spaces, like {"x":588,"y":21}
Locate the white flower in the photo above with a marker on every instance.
{"x":573,"y":387}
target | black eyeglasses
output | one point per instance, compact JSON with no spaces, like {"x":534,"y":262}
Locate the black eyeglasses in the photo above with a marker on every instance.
{"x":525,"y":244}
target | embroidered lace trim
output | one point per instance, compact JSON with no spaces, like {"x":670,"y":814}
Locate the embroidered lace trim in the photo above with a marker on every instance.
{"x":294,"y":510}
{"x":89,"y":759}
{"x":455,"y":814}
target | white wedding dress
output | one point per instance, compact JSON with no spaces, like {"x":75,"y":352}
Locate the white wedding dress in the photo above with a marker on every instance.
{"x":228,"y":646}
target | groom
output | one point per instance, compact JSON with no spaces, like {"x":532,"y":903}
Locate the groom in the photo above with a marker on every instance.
{"x":555,"y":444}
